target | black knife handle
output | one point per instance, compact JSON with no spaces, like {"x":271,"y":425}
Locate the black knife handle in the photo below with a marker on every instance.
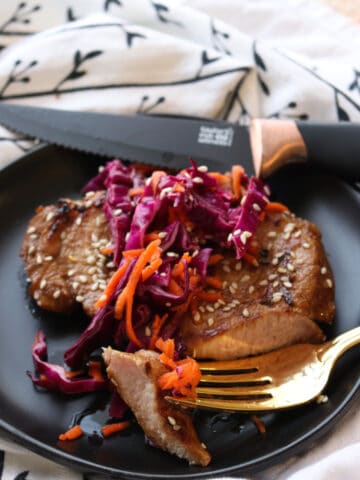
{"x":333,"y":147}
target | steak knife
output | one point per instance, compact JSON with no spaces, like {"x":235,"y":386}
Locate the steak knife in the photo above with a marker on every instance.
{"x":168,"y":140}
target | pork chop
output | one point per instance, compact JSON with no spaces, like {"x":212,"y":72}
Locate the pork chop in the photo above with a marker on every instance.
{"x":62,"y":252}
{"x":135,"y":376}
{"x":269,"y":306}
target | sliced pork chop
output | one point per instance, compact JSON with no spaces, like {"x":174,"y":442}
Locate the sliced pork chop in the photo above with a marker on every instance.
{"x":269,"y":306}
{"x":135,"y":375}
{"x":63,"y":257}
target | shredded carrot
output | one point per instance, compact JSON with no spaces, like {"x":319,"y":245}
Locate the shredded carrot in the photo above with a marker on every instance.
{"x":251,"y":259}
{"x":73,"y":374}
{"x":237,"y":173}
{"x":107,"y":250}
{"x":149,"y":237}
{"x":221,"y":178}
{"x":167,"y":347}
{"x":254,"y":247}
{"x":214,"y":281}
{"x":112,"y":284}
{"x":127,"y":295}
{"x":133,"y":192}
{"x":155,"y":179}
{"x":178,"y":268}
{"x":259,"y":424}
{"x":151,"y":269}
{"x":174,"y":287}
{"x":184,"y":378}
{"x":112,"y":428}
{"x":156,"y":326}
{"x":129,"y":254}
{"x":215,"y":258}
{"x":71,"y":434}
{"x":276,"y":207}
{"x":95,"y":370}
{"x":262,"y":216}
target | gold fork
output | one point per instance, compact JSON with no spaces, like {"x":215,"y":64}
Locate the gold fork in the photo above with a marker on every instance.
{"x":285,"y":378}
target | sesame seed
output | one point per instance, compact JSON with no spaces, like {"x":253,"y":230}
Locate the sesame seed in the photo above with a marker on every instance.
{"x":277,"y":297}
{"x":229,"y":237}
{"x":168,"y":304}
{"x":127,"y":236}
{"x":216,"y":305}
{"x":118,"y":212}
{"x":210,"y":321}
{"x":299,"y":261}
{"x":101,"y":168}
{"x":323,"y":271}
{"x":281,"y":270}
{"x":38,"y":259}
{"x":57,"y":293}
{"x":297,"y":234}
{"x":197,"y":316}
{"x":244,"y":236}
{"x":75,"y":285}
{"x":203,"y":445}
{"x":272,"y":277}
{"x":287,"y":284}
{"x":49,"y":216}
{"x":284,"y":278}
{"x":256,"y":207}
{"x":329,"y":283}
{"x":290,"y":267}
{"x":147,"y":331}
{"x":198,"y":180}
{"x":31,"y":250}
{"x":209,"y":308}
{"x":275,"y":261}
{"x":176,"y":427}
{"x":322,"y":399}
{"x":37,"y":294}
{"x":31,"y":229}
{"x":267,"y":190}
{"x":275,"y":284}
{"x":245,"y":278}
{"x":171,"y":420}
{"x":202,"y":309}
{"x":221,"y":301}
{"x":251,"y":289}
{"x":243,"y":200}
{"x":232,"y":290}
{"x":79,"y":298}
{"x":245,"y":312}
{"x":286,"y":235}
{"x":238,"y":266}
{"x":279,"y":254}
{"x":226,"y":309}
{"x":110,"y":264}
{"x":163,"y":274}
{"x":94,"y":237}
{"x":195,"y":253}
{"x":203,"y":168}
{"x":94,"y":286}
{"x":63,"y":235}
{"x":237,"y":232}
{"x":91,"y":259}
{"x":172,"y":254}
{"x":235,"y":285}
{"x":33,"y":236}
{"x":306,"y":245}
{"x":89,"y":194}
{"x":78,"y":221}
{"x":43,"y":283}
{"x":236,"y":301}
{"x":272,"y":234}
{"x":83,"y":278}
{"x":263,"y":283}
{"x":226,"y":269}
{"x":289,"y":227}
{"x":48,"y":258}
{"x":88,"y":204}
{"x":162,"y":234}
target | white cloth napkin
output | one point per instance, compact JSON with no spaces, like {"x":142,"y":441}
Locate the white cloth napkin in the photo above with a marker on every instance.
{"x":230,"y":59}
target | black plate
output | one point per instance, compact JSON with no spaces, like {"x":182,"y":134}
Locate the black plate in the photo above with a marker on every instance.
{"x":35,"y":419}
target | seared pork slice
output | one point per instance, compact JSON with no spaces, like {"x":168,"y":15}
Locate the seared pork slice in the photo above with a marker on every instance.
{"x":135,"y":376}
{"x":269,"y":306}
{"x":62,"y":254}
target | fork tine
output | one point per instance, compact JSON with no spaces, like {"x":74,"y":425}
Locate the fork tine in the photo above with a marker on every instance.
{"x":257,"y":405}
{"x":246,"y":365}
{"x":240,"y":378}
{"x":240,"y":392}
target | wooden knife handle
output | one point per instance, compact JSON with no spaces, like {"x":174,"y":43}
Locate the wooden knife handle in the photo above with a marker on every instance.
{"x":331,"y":147}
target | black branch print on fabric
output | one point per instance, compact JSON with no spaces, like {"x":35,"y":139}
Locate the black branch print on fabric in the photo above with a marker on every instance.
{"x":244,"y":116}
{"x":206,"y":59}
{"x":355,"y":85}
{"x":260,"y":64}
{"x":2,"y":459}
{"x":108,"y":4}
{"x":70,"y":15}
{"x":145,"y":105}
{"x":22,"y":475}
{"x":21,"y":16}
{"x":161,"y":11}
{"x":288,"y":112}
{"x":341,"y":113}
{"x":22,"y":143}
{"x":76,"y":71}
{"x":17,"y":75}
{"x":219,"y":38}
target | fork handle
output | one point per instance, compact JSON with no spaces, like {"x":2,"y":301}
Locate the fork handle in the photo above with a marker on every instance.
{"x":341,"y":344}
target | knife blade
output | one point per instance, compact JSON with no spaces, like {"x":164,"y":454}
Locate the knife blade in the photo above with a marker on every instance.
{"x":169,"y":141}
